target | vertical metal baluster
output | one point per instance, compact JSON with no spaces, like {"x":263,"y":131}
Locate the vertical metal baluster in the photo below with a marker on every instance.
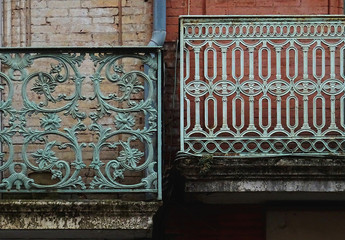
{"x":197,"y":63}
{"x":305,"y":62}
{"x":238,"y":93}
{"x":224,"y":98}
{"x":305,"y":125}
{"x":197,"y":98}
{"x":279,"y":100}
{"x":182,"y":87}
{"x":332,"y":76}
{"x":251,"y":98}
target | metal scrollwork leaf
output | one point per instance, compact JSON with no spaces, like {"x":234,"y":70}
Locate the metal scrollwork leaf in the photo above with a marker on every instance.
{"x":50,"y":121}
{"x":44,"y":85}
{"x":56,"y":69}
{"x":129,"y":156}
{"x":45,"y":158}
{"x":124,"y":121}
{"x":129,"y":84}
{"x":17,"y":62}
{"x":74,"y":58}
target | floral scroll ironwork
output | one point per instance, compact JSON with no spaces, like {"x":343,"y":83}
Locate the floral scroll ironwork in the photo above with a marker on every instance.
{"x":84,"y":120}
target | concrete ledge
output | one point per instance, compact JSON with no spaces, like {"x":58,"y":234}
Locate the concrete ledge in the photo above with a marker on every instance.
{"x":76,"y":234}
{"x":265,"y":186}
{"x":77,"y":215}
{"x":275,"y":174}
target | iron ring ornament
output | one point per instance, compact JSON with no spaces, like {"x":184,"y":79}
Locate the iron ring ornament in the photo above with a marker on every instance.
{"x":332,"y":87}
{"x":41,"y":76}
{"x":224,"y":88}
{"x":251,"y":88}
{"x":278,"y":88}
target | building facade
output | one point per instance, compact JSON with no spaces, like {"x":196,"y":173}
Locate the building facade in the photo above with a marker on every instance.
{"x":184,"y":119}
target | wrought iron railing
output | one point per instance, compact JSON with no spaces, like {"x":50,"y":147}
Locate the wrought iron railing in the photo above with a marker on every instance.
{"x":262,"y":85}
{"x":80,"y":119}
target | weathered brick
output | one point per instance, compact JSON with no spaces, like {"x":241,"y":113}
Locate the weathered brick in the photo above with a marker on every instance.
{"x":264,"y":3}
{"x":103,"y":20}
{"x":43,"y":29}
{"x":106,"y":39}
{"x":90,"y":28}
{"x":39,"y":37}
{"x":75,"y":20}
{"x":53,"y":4}
{"x":49,"y":12}
{"x":134,"y":27}
{"x":291,"y":3}
{"x":69,"y":37}
{"x":102,"y":3}
{"x":130,"y":10}
{"x":103,"y":12}
{"x":78,"y":12}
{"x":133,"y":19}
{"x":38,"y":4}
{"x":38,"y":21}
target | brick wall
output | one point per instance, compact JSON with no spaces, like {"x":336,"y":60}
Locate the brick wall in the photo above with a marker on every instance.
{"x":77,"y":22}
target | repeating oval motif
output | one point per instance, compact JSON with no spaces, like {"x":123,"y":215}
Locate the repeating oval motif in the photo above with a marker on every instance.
{"x":305,"y":87}
{"x":197,"y":88}
{"x":251,"y":88}
{"x":332,"y":86}
{"x":224,"y":88}
{"x":278,"y":88}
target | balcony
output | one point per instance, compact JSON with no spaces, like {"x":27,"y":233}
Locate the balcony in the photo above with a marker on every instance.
{"x":262,"y":99}
{"x":80,"y":120}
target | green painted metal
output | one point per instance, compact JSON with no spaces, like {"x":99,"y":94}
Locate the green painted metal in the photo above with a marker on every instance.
{"x":54,"y":137}
{"x":261,"y":86}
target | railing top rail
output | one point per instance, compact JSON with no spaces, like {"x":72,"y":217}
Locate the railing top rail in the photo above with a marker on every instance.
{"x":240,"y":18}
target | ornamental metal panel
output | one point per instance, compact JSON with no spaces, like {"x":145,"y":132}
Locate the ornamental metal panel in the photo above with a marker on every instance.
{"x":80,"y":119}
{"x":262,"y":85}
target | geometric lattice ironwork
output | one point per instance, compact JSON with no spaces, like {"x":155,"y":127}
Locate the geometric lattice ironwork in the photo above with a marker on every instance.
{"x":254,"y":85}
{"x":80,"y":119}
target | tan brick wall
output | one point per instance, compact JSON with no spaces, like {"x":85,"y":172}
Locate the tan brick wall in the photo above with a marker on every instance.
{"x":77,"y":22}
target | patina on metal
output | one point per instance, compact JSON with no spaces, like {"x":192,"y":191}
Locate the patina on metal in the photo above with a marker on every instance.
{"x":262,"y":85}
{"x":50,"y":126}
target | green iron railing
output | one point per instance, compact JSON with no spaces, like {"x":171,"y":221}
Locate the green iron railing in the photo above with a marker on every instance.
{"x":80,"y":119}
{"x":254,"y":86}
